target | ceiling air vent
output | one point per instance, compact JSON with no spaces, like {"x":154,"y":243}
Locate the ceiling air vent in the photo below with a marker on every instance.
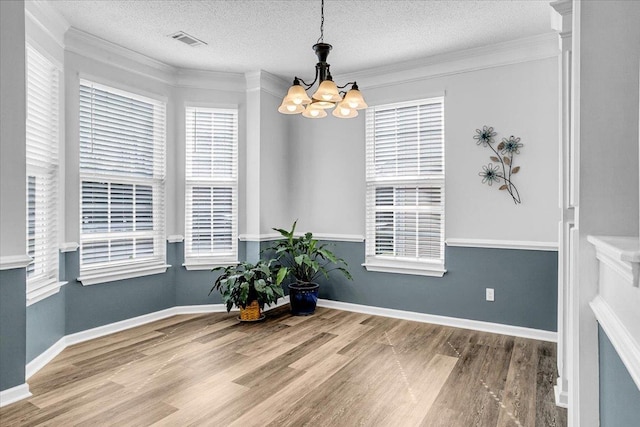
{"x":185,"y":38}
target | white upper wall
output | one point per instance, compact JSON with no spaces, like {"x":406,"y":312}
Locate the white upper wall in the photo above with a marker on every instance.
{"x":314,"y":170}
{"x":518,"y":99}
{"x":275,"y":161}
{"x":608,"y":133}
{"x":13,"y":166}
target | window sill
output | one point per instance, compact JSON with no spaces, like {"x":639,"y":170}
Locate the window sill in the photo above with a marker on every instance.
{"x":44,"y":291}
{"x":405,"y":267}
{"x":207,"y":264}
{"x":125,"y":272}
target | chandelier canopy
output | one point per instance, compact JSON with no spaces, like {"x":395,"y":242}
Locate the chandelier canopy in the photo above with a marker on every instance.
{"x":327,"y":95}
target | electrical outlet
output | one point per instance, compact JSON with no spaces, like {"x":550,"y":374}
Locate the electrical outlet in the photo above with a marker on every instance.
{"x":490,"y":294}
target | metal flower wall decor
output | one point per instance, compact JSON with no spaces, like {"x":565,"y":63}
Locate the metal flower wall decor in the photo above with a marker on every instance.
{"x":504,"y":169}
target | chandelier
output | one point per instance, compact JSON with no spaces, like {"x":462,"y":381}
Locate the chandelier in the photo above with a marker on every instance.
{"x":327,"y":95}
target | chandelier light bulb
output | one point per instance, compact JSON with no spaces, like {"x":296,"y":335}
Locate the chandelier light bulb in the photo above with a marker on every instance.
{"x":290,"y":108}
{"x":343,"y":111}
{"x":313,"y":111}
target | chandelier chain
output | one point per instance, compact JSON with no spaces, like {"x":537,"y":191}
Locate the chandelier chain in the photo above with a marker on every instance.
{"x":321,"y":38}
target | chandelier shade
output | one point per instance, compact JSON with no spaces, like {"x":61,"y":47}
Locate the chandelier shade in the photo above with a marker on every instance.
{"x":327,"y":92}
{"x":354,"y":99}
{"x":327,"y":95}
{"x":297,"y":95}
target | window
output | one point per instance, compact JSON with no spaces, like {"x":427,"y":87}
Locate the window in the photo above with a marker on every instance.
{"x":405,"y":188}
{"x":42,"y":175}
{"x":122,"y":172}
{"x":211,"y":187}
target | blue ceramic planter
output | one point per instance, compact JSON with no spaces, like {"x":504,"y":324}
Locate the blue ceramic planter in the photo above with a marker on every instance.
{"x":303,"y":299}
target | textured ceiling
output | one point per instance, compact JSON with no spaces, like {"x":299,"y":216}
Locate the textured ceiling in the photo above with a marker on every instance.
{"x":277,"y":35}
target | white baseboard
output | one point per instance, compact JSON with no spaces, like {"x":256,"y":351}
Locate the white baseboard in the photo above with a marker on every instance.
{"x":39,"y":362}
{"x":476,"y":325}
{"x":562,"y":397}
{"x":14,"y":394}
{"x":47,"y":356}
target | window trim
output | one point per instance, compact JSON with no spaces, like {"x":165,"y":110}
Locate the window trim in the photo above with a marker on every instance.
{"x":43,"y":286}
{"x":210,"y":261}
{"x":121,"y":272}
{"x":116,"y":270}
{"x":390,"y":263}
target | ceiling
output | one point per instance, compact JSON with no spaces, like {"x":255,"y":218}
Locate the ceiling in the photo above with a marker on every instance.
{"x":277,"y":35}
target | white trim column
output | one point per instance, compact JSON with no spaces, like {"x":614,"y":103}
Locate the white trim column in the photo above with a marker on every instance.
{"x":252,"y":162}
{"x":561,"y":19}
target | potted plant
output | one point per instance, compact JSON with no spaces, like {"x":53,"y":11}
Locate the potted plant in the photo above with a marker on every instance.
{"x":249,"y":287}
{"x":306,"y":260}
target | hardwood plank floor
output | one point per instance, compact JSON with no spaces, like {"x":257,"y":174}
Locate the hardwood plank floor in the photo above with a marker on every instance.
{"x":334,"y":368}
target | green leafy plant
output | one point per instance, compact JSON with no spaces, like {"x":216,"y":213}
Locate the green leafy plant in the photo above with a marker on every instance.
{"x":243,"y":283}
{"x":305,"y":258}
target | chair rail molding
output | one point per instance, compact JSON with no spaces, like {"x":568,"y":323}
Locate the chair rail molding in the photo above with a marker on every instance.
{"x":9,"y":262}
{"x":503,"y":244}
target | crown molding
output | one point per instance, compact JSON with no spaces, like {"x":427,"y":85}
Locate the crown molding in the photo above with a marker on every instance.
{"x":100,"y":50}
{"x":252,"y":81}
{"x":273,"y":84}
{"x":563,"y":7}
{"x":561,"y":16}
{"x":506,"y":53}
{"x":203,"y":79}
{"x":95,"y":48}
{"x":43,"y":15}
{"x":265,"y":81}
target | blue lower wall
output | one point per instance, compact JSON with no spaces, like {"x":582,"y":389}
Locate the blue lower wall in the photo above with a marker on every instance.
{"x":97,"y":305}
{"x":619,"y":395}
{"x":192,"y":286}
{"x":45,"y":324}
{"x":13,"y":327}
{"x":525,"y":283}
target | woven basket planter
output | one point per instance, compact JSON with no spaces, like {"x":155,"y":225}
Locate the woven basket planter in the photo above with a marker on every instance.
{"x":251,"y":312}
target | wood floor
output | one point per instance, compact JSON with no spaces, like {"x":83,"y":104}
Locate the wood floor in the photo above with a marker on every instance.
{"x":334,"y":368}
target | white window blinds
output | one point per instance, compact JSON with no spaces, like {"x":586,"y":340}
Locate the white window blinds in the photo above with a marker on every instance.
{"x":405,"y":185}
{"x":42,"y":170}
{"x":122,"y":169}
{"x":211,"y":185}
